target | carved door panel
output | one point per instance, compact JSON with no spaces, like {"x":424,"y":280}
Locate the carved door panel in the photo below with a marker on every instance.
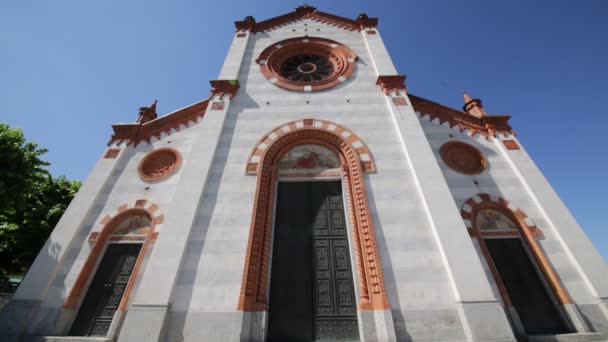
{"x":312,"y":292}
{"x":106,"y":290}
{"x":529,"y":296}
{"x":335,"y":312}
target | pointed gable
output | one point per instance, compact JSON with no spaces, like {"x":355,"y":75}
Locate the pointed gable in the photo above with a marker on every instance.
{"x":307,"y":12}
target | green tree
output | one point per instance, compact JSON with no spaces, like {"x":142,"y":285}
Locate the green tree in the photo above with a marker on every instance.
{"x":31,"y":201}
{"x":21,"y":169}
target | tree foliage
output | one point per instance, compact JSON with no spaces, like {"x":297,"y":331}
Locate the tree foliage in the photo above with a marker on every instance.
{"x":31,"y":200}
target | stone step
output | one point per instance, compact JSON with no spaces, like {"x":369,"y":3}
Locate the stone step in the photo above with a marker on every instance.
{"x":578,"y":337}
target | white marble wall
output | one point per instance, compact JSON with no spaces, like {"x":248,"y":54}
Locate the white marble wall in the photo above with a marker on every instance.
{"x":209,"y":283}
{"x":191,"y":281}
{"x":503,"y":179}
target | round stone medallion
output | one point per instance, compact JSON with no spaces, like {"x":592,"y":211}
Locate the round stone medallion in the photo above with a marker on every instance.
{"x":159,"y":164}
{"x":463,"y":158}
{"x":307,"y":63}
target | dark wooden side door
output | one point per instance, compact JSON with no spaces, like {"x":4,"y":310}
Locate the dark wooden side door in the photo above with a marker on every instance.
{"x":106,"y":289}
{"x":312,"y":294}
{"x":536,"y":310}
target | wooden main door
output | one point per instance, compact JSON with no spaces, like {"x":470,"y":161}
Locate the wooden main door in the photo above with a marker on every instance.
{"x":312,"y":294}
{"x":106,"y":289}
{"x":529,"y":296}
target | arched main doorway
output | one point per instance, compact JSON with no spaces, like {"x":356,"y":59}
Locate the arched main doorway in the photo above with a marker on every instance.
{"x":312,"y":170}
{"x":109,"y":272}
{"x":529,"y":287}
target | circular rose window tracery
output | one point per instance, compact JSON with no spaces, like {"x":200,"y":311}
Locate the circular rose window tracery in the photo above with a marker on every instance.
{"x":159,"y":164}
{"x":307,"y":63}
{"x":463,"y":158}
{"x":306,"y":68}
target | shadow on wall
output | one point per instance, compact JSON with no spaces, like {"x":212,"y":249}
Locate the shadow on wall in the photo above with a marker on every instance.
{"x":177,"y":321}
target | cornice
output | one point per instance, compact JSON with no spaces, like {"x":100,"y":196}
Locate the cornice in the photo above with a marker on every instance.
{"x":134,"y":133}
{"x":392,"y":83}
{"x":489,"y":125}
{"x":224,"y":87}
{"x":307,"y":12}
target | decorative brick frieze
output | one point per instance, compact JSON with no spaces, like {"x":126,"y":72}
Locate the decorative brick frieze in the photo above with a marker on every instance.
{"x":134,"y":133}
{"x":103,"y":235}
{"x":371,"y":32}
{"x":224,"y":87}
{"x":365,"y":156}
{"x":241,"y":35}
{"x":372,"y":295}
{"x":510,"y":144}
{"x":391,"y":83}
{"x":307,"y":12}
{"x":217,"y":106}
{"x":526,"y":230}
{"x":399,"y":101}
{"x":367,"y":22}
{"x":111,"y":153}
{"x":487,"y":126}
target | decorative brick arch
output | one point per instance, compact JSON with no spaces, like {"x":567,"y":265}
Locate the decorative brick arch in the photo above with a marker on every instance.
{"x":527,"y":231}
{"x":372,"y":294}
{"x":482,"y":201}
{"x":350,"y":138}
{"x":102,"y":236}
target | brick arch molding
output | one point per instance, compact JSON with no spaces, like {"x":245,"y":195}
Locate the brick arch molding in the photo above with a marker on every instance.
{"x":372,"y":294}
{"x":102,"y":236}
{"x":348,"y":136}
{"x":528,"y":232}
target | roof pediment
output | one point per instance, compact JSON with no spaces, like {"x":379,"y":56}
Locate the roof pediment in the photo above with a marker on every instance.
{"x":134,"y":133}
{"x":488,"y":125}
{"x":307,"y":12}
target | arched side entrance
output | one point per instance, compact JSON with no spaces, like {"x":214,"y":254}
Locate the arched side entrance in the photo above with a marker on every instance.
{"x":529,"y":287}
{"x":106,"y":280}
{"x":263,"y":162}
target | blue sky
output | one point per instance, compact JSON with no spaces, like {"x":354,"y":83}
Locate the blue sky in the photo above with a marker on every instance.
{"x":69,"y":69}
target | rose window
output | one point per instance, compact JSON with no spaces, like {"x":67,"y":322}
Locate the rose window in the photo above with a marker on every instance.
{"x":306,"y":68}
{"x":159,"y":164}
{"x":463,"y":158}
{"x":307,"y":63}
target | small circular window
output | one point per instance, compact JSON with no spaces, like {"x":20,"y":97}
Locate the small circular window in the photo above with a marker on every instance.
{"x":307,"y":63}
{"x":159,"y":164}
{"x":463,"y":158}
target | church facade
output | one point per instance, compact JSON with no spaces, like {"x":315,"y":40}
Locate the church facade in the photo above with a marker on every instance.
{"x":311,"y":197}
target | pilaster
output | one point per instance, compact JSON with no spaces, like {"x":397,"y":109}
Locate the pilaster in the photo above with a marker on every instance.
{"x":151,"y":302}
{"x":380,"y":57}
{"x":477,"y":303}
{"x":234,"y":57}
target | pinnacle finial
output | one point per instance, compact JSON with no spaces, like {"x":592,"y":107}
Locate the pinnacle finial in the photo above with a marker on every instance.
{"x":305,"y":9}
{"x":147,"y":113}
{"x":152,"y":105}
{"x":473,"y":106}
{"x":466,"y":96}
